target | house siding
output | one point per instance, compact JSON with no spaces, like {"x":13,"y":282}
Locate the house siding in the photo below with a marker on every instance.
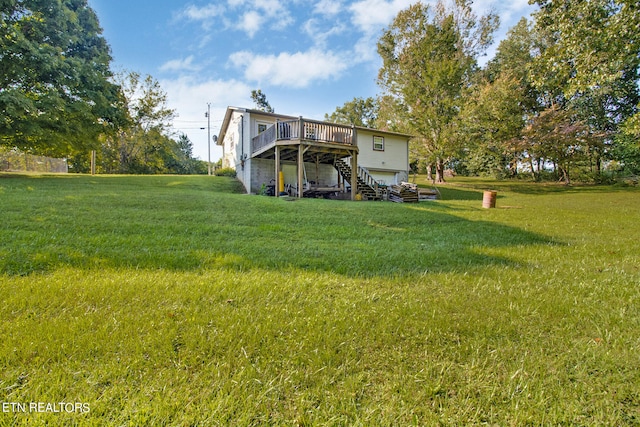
{"x":390,"y":165}
{"x":237,"y":147}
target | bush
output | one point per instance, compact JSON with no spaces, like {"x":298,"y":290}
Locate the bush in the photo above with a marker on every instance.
{"x":629,"y":181}
{"x":226,"y":172}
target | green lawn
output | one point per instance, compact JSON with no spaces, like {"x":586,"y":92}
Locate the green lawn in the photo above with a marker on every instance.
{"x":178,"y":301}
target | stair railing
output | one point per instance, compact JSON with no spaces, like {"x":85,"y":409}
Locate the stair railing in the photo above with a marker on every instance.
{"x":364,"y":177}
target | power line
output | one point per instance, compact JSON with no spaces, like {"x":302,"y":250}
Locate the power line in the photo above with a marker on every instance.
{"x":198,"y":121}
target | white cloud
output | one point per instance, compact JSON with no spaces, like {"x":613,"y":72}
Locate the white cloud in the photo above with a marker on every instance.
{"x":290,"y":70}
{"x":189,"y":97}
{"x":371,"y":16}
{"x":185,"y":64}
{"x":203,"y":14}
{"x":266,"y":5}
{"x":365,"y":49}
{"x":257,"y":13}
{"x":315,"y":30}
{"x":248,"y":16}
{"x":250,"y":23}
{"x":328,"y":7}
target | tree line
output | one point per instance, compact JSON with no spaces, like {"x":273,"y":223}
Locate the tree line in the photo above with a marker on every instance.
{"x":59,"y":97}
{"x":559,"y":100}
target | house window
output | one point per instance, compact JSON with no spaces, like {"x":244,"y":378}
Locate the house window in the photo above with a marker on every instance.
{"x":262,"y":127}
{"x":378,"y":143}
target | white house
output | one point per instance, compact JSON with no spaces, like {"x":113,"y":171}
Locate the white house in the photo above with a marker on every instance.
{"x":318,"y":157}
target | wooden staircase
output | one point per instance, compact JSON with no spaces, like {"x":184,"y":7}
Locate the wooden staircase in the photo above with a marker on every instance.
{"x":367,"y":186}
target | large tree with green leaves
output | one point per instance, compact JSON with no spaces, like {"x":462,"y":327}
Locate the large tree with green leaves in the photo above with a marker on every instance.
{"x":358,"y":112}
{"x":429,"y":55}
{"x":502,"y":100}
{"x":139,"y":146}
{"x":55,"y":93}
{"x":592,"y":43}
{"x":490,"y":124}
{"x":514,"y":60}
{"x":593,"y":54}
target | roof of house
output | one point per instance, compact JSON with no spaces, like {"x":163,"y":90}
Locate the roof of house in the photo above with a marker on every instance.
{"x":230,"y":111}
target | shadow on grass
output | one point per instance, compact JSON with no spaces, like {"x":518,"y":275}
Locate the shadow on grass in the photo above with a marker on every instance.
{"x":472,"y":188}
{"x":197,"y":229}
{"x":454,"y":193}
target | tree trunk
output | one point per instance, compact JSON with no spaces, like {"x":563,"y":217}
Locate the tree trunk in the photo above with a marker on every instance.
{"x":533,"y":170}
{"x":439,"y":170}
{"x":565,"y":174}
{"x":513,"y":167}
{"x":429,"y":172}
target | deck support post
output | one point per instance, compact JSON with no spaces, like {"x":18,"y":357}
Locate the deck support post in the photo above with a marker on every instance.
{"x":300,"y":171}
{"x":277,"y":182}
{"x":354,"y":174}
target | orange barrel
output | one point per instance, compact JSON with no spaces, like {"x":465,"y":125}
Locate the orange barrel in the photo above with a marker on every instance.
{"x":489,"y":199}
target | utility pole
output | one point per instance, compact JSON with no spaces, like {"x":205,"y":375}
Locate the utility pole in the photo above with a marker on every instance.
{"x":208,"y":114}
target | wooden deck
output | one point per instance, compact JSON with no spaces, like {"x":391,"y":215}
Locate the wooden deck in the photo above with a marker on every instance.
{"x":307,"y":141}
{"x":323,"y":142}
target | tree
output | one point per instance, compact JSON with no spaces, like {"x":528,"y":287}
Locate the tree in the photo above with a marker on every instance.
{"x":429,"y":56}
{"x":491,"y":122}
{"x":592,"y":43}
{"x":627,"y":147}
{"x":358,"y":112}
{"x":558,"y":135}
{"x":181,"y":159}
{"x":515,"y":57}
{"x":55,"y":93}
{"x":592,"y":58}
{"x":631,"y":127}
{"x":135,"y":148}
{"x":604,"y":109}
{"x":501,"y":102}
{"x":146,"y":144}
{"x":260,"y":99}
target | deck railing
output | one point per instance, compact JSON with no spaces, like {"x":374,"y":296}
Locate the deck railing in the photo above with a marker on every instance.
{"x":306,"y":130}
{"x":265,"y":138}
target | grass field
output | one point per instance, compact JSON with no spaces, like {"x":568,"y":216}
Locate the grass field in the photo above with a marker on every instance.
{"x":177,"y":301}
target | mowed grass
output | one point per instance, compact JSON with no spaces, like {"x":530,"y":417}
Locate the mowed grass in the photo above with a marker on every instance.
{"x":179,"y":301}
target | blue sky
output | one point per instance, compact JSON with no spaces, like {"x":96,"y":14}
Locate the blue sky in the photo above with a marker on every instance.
{"x":307,"y":56}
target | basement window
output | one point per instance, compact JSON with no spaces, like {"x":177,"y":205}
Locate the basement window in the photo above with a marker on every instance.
{"x":378,"y":143}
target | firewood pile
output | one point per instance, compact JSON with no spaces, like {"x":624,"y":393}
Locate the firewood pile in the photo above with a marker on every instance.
{"x":425,"y":194}
{"x":403,"y":193}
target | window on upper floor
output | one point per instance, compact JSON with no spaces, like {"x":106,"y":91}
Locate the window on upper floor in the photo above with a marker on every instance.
{"x":378,"y":143}
{"x":262,"y":126}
